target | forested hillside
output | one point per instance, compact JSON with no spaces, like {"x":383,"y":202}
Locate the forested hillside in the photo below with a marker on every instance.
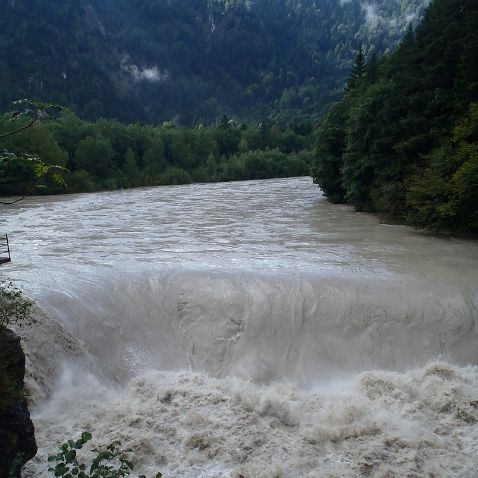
{"x":191,"y":61}
{"x":404,"y":139}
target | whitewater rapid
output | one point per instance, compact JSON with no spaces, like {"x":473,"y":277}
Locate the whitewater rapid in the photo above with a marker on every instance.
{"x":249,"y":330}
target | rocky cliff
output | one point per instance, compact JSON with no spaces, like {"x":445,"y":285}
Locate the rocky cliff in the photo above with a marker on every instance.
{"x":17,"y":434}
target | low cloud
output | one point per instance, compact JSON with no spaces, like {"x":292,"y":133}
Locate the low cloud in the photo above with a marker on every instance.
{"x":371,"y":16}
{"x":145,"y":73}
{"x":375,"y":19}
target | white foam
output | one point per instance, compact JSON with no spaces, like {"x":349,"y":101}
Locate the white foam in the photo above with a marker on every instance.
{"x":420,"y":423}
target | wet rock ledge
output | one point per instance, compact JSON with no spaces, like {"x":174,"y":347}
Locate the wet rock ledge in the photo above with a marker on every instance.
{"x":17,"y":434}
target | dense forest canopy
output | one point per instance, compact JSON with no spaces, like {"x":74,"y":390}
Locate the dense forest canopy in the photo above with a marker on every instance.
{"x":404,"y":139}
{"x":107,"y":154}
{"x":191,"y":61}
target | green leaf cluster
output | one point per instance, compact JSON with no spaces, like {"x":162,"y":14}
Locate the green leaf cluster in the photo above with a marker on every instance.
{"x":110,"y":461}
{"x":16,"y":310}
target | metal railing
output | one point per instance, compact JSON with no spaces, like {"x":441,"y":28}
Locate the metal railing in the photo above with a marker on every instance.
{"x":4,"y":250}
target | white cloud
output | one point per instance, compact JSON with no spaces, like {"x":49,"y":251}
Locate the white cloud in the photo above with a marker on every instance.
{"x":371,"y":16}
{"x":145,"y":73}
{"x":375,"y":20}
{"x":378,"y":13}
{"x":411,"y":17}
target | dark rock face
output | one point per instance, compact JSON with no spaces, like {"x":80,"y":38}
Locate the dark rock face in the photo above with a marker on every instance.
{"x":17,"y":434}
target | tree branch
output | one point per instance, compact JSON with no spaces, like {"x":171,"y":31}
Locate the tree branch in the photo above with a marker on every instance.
{"x":29,"y":125}
{"x":7,"y":203}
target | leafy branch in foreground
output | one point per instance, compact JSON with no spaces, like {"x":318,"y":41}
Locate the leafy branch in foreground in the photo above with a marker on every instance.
{"x":15,"y":308}
{"x":32,"y":112}
{"x":39,"y":168}
{"x":110,"y":461}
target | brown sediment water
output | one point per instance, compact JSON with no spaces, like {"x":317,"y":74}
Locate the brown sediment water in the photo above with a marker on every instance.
{"x":249,"y":329}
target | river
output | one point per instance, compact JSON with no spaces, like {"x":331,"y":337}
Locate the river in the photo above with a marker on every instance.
{"x":248,"y":329}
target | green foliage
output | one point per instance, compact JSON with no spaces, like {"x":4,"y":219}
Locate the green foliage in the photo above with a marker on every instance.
{"x":176,"y":176}
{"x":15,"y":308}
{"x":444,"y":195}
{"x":330,"y":147}
{"x":17,"y":464}
{"x":403,"y":140}
{"x":94,"y":155}
{"x":110,"y":461}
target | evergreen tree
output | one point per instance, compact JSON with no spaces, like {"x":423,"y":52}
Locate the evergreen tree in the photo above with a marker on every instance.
{"x":359,"y":69}
{"x":372,"y":67}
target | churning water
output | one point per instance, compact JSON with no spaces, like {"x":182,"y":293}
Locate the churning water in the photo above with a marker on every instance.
{"x":249,"y":330}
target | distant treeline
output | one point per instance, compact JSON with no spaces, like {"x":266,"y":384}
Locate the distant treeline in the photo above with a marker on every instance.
{"x":107,"y":154}
{"x":403,"y":141}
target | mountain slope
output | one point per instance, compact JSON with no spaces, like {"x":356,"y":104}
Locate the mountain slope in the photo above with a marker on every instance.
{"x":190,"y":61}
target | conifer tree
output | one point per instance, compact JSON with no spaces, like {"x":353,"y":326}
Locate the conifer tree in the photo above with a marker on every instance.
{"x":467,"y":81}
{"x":409,"y":37}
{"x":372,"y":65}
{"x":358,"y":70}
